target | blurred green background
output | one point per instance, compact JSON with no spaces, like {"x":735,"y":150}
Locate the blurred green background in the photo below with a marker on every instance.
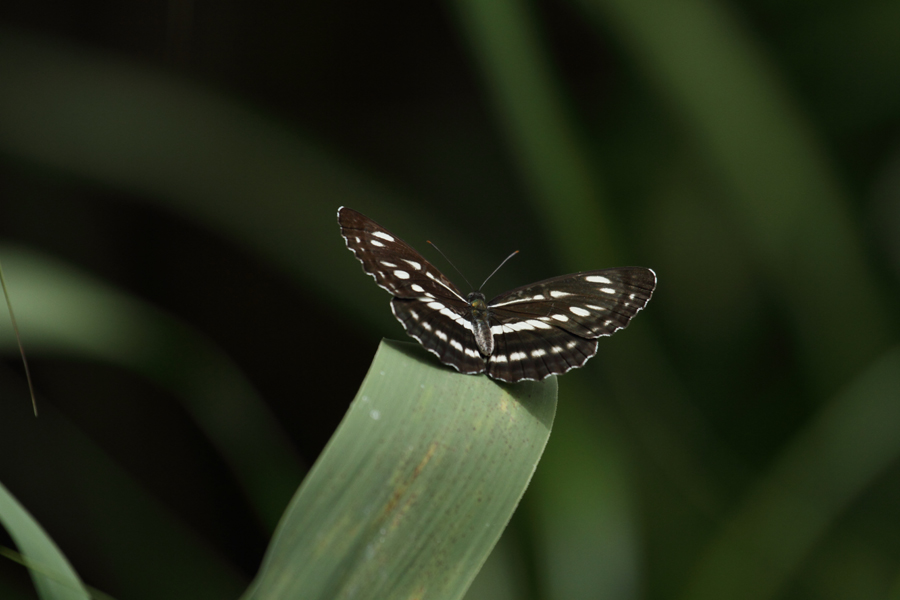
{"x":169,"y":177}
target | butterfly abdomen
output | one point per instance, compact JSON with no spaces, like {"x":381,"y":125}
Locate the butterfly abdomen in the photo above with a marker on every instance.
{"x":480,"y":315}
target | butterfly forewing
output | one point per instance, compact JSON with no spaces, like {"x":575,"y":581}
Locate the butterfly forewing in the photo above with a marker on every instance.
{"x":542,"y":329}
{"x":395,"y":265}
{"x":589,"y":304}
{"x":552,"y":326}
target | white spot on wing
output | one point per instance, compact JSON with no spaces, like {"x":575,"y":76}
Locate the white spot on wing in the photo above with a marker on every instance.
{"x":426,"y":326}
{"x":516,"y":301}
{"x":456,"y":345}
{"x":608,"y":290}
{"x":383,"y":235}
{"x":538,"y":324}
{"x":502,"y":328}
{"x":538,"y":353}
{"x":414,"y":264}
{"x":497,"y":358}
{"x":562,"y":318}
{"x":450,"y":314}
{"x":401,"y":274}
{"x":388,"y":264}
{"x":435,"y":305}
{"x":471,"y":352}
{"x":579,"y":311}
{"x":377,"y":243}
{"x":440,"y":335}
{"x":431,"y":276}
{"x":417,"y":288}
{"x":597,"y":279}
{"x":558,"y":294}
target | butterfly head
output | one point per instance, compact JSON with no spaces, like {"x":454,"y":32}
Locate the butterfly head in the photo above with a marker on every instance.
{"x":477,"y":305}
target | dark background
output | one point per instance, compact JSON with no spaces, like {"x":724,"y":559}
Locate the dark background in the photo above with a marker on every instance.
{"x":191,"y":157}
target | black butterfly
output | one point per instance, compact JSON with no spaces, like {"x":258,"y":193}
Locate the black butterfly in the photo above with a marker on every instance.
{"x":531,"y":332}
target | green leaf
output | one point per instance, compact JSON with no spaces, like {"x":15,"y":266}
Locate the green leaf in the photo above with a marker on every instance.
{"x":53,"y":576}
{"x":837,"y":457}
{"x":780,"y":185}
{"x":414,"y":488}
{"x":62,"y":310}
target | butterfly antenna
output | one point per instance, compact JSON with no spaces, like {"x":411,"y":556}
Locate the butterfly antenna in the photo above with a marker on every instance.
{"x":498,"y":268}
{"x":450,"y":263}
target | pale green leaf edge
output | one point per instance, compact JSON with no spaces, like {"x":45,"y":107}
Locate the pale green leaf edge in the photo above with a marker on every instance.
{"x":415,"y":487}
{"x":53,"y":576}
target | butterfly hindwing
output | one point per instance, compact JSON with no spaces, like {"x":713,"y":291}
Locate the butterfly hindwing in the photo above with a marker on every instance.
{"x":536,"y":353}
{"x":446,"y":336}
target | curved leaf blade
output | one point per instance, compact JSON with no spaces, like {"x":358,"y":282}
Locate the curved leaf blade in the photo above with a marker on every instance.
{"x":53,"y":576}
{"x":415,"y":487}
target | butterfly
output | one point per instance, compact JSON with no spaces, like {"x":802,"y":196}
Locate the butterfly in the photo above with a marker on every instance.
{"x":532,"y":332}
